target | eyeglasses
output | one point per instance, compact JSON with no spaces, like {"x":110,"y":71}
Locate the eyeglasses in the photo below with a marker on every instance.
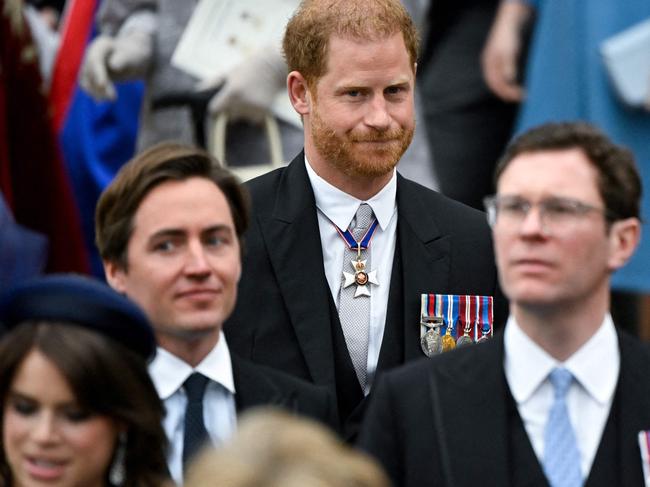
{"x":555,"y":214}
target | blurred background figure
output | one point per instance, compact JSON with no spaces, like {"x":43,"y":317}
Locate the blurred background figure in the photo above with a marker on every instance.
{"x":33,"y":179}
{"x":76,"y":401}
{"x":274,"y":449}
{"x":565,"y":79}
{"x":58,"y":148}
{"x":138,"y":38}
{"x":22,"y":252}
{"x":466,"y":126}
{"x":43,"y":17}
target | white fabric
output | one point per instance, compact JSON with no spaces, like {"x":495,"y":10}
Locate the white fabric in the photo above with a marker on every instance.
{"x":250,"y":89}
{"x":109,"y":59}
{"x":169,"y":372}
{"x":595,"y":367}
{"x":336,"y":206}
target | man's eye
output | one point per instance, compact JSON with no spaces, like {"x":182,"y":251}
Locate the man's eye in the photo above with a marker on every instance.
{"x":164,"y":246}
{"x":559,"y":208}
{"x":513,"y":207}
{"x":214,"y":241}
{"x":395,"y":90}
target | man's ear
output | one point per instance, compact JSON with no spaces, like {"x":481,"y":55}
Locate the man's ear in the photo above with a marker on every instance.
{"x":299,"y":93}
{"x":115,"y":276}
{"x":624,"y":237}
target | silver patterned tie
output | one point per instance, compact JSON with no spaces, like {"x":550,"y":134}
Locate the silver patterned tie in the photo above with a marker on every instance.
{"x":561,"y":454}
{"x":354,"y":313}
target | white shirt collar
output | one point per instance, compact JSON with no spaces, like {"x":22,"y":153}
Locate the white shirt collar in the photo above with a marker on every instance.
{"x":340,"y":207}
{"x":169,"y":372}
{"x":595,"y":365}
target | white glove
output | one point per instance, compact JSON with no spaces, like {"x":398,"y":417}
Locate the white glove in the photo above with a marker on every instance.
{"x":249,"y":89}
{"x":125,"y":56}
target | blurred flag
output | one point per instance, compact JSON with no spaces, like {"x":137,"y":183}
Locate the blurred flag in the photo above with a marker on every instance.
{"x":96,"y":138}
{"x":33,"y":179}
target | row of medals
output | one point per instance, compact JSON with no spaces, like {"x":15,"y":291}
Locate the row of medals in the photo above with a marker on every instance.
{"x":434,"y":343}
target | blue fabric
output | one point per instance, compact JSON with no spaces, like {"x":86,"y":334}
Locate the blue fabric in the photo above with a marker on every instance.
{"x":23,"y":252}
{"x":97,"y":139}
{"x":561,"y":454}
{"x":566,"y":80}
{"x":81,"y":301}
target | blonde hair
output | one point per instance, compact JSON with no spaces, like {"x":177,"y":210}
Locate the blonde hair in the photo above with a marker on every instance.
{"x":274,"y":449}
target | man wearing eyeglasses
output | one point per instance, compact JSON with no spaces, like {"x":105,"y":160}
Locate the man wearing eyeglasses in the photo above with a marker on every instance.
{"x":561,"y":397}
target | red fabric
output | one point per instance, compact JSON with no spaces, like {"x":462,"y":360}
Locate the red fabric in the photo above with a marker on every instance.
{"x":31,"y":169}
{"x":77,"y":27}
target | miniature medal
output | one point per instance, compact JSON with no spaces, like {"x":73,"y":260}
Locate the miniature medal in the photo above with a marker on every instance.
{"x":431,"y":341}
{"x":448,"y":342}
{"x":485,"y":333}
{"x":465,"y":339}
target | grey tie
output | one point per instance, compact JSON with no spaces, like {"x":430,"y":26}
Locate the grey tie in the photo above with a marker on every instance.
{"x":354,"y":313}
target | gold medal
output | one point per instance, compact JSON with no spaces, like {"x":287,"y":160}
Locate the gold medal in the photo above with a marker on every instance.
{"x":448,"y":342}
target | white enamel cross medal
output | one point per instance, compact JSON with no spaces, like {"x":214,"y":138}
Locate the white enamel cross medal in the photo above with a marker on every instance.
{"x":360,"y":277}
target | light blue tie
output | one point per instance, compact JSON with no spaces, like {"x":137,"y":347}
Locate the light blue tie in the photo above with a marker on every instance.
{"x":561,"y":454}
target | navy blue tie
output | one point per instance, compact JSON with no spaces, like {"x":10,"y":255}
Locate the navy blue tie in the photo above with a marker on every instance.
{"x":195,"y":435}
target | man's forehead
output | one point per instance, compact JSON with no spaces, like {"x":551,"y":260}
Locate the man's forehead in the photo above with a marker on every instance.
{"x":557,"y":171}
{"x":178,"y":203}
{"x":351,"y":55}
{"x":551,"y":167}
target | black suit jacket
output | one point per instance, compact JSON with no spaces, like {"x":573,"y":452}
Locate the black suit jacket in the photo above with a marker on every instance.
{"x":259,"y":386}
{"x":451,"y":421}
{"x":285,"y":316}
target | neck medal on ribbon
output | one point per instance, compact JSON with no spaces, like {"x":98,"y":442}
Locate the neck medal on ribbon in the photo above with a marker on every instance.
{"x":361,"y":276}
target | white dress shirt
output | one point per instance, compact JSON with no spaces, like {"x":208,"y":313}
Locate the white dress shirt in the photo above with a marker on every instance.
{"x":169,"y":372}
{"x":595,"y":367}
{"x":336,"y":207}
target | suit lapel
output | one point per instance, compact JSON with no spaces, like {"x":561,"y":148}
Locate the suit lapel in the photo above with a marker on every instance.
{"x":297,"y":258}
{"x":424,"y":258}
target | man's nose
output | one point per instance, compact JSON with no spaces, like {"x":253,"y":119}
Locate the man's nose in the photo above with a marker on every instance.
{"x":197,"y":260}
{"x":533,"y":222}
{"x":377,"y":115}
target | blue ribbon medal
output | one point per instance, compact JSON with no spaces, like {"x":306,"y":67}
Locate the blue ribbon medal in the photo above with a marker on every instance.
{"x":361,"y":277}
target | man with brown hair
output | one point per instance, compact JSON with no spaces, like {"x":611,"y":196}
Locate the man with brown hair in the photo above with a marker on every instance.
{"x":168,"y":229}
{"x":341,"y":247}
{"x":561,"y":397}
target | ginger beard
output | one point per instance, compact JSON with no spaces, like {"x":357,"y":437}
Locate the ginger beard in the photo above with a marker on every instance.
{"x":349,"y":154}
